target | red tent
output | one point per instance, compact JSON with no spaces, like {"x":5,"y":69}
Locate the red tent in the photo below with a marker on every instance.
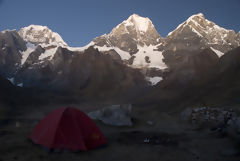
{"x":67,"y":128}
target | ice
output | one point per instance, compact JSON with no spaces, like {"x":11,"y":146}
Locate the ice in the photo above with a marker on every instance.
{"x":219,"y":53}
{"x":20,"y":84}
{"x":136,"y":22}
{"x":41,"y":34}
{"x":196,"y":32}
{"x":30,"y":48}
{"x":49,"y":53}
{"x":155,"y":58}
{"x":154,"y":80}
{"x":123,"y":54}
{"x":141,"y":23}
{"x":11,"y":80}
{"x":81,"y":48}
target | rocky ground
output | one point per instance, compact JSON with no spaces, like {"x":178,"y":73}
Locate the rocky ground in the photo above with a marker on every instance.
{"x":154,"y":136}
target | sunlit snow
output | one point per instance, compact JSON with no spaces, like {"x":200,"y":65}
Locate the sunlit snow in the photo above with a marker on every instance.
{"x":123,"y":54}
{"x":30,"y":48}
{"x":41,"y":34}
{"x":48,"y":53}
{"x":80,"y":48}
{"x":155,"y":57}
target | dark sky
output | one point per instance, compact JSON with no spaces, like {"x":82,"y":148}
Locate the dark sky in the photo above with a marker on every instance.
{"x":79,"y":21}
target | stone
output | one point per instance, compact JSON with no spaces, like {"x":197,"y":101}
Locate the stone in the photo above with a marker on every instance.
{"x":230,"y":152}
{"x":150,"y":123}
{"x":116,"y":115}
{"x":237,"y":124}
{"x":186,"y":114}
{"x":230,"y":122}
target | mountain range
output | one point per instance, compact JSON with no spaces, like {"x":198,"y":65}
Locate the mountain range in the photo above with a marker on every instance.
{"x":131,"y":57}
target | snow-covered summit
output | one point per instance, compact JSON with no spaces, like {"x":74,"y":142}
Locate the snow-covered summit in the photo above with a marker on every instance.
{"x":133,"y":32}
{"x":37,"y":34}
{"x":209,"y":34}
{"x":136,"y":26}
{"x":200,"y":25}
{"x":135,"y":38}
{"x":136,"y":23}
{"x":41,"y":42}
{"x":141,"y":23}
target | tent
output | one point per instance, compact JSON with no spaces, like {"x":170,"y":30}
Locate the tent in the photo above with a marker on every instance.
{"x":67,"y":128}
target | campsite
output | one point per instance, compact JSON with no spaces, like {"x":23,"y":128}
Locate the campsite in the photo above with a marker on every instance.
{"x":153,"y":135}
{"x":129,"y":80}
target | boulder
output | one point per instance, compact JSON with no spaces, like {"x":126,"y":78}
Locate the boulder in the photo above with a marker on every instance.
{"x":221,"y":118}
{"x":186,"y":114}
{"x":116,"y":115}
{"x":237,"y":124}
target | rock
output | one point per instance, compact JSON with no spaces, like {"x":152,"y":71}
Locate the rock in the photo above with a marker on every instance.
{"x":146,"y":140}
{"x":95,"y":114}
{"x":17,"y":124}
{"x":220,"y":117}
{"x":150,"y":122}
{"x":186,"y":114}
{"x":116,"y":115}
{"x":230,"y":122}
{"x":230,"y":152}
{"x":127,"y":36}
{"x":237,"y":124}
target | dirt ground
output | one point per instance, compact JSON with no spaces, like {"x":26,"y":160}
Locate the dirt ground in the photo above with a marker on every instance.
{"x":155,"y":136}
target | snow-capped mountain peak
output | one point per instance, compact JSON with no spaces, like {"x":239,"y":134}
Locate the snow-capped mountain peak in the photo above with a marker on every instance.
{"x":206,"y":34}
{"x":201,"y":26}
{"x":140,"y":23}
{"x":133,"y":32}
{"x":199,"y":15}
{"x":134,"y":23}
{"x":41,"y":42}
{"x":135,"y":38}
{"x":193,"y":21}
{"x":38,"y":34}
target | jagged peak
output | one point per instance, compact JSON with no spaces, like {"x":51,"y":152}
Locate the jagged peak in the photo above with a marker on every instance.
{"x":193,"y":20}
{"x":137,"y":17}
{"x":134,"y":15}
{"x":141,"y":24}
{"x":133,"y":31}
{"x":199,"y":20}
{"x":196,"y":19}
{"x":39,"y":34}
{"x":199,"y":15}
